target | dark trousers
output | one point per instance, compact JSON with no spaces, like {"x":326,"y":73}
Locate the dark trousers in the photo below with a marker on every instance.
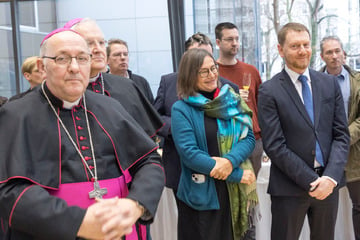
{"x":288,"y":214}
{"x":354,"y":192}
{"x":256,"y":156}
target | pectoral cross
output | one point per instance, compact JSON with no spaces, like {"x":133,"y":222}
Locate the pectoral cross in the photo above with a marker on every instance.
{"x":97,"y":192}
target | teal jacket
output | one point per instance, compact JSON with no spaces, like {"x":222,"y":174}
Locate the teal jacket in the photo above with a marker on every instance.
{"x":188,"y":130}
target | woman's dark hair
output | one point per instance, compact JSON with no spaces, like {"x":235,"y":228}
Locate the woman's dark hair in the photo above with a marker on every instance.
{"x":189,"y":67}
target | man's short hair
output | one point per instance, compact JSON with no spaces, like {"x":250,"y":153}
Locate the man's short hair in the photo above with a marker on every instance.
{"x":198,"y":38}
{"x":115,"y":41}
{"x":292,"y":26}
{"x":221,"y":26}
{"x":29,"y":64}
{"x":328,"y":38}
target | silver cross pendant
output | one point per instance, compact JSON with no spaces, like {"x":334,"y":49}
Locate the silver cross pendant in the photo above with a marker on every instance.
{"x":97,"y":192}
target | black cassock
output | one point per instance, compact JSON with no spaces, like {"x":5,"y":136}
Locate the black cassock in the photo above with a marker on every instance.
{"x":132,"y":98}
{"x":36,"y":155}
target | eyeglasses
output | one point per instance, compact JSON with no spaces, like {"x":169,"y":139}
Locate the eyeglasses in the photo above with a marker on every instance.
{"x":204,"y":72}
{"x":231,"y":39}
{"x":65,"y":59}
{"x":93,"y":43}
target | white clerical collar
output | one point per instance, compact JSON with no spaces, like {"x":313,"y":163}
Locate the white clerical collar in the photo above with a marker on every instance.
{"x":70,"y":105}
{"x":93,"y":79}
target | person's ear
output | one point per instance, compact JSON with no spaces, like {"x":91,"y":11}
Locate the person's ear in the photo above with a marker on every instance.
{"x":322,"y":56}
{"x":280,"y":49}
{"x":217,"y":42}
{"x":40,"y":65}
{"x":27,"y":76}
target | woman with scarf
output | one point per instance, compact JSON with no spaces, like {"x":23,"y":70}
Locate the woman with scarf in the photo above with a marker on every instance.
{"x":211,"y":127}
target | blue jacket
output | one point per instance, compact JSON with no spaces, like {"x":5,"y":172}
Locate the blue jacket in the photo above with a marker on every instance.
{"x":188,"y":130}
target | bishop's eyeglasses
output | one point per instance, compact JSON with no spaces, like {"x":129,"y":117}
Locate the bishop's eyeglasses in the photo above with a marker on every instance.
{"x":65,"y":59}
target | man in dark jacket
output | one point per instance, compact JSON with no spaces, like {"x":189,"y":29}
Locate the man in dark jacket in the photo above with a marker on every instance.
{"x":333,"y":54}
{"x":118,"y":60}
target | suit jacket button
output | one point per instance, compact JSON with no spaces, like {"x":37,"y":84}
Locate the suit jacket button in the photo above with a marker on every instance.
{"x":313,"y":152}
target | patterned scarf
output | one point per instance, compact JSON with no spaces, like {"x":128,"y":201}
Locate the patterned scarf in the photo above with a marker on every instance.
{"x":234,"y":121}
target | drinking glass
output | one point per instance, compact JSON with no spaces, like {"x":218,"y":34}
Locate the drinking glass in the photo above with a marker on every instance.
{"x":246,"y":81}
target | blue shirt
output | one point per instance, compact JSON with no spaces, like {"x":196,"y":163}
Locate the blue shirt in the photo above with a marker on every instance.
{"x":344,"y":82}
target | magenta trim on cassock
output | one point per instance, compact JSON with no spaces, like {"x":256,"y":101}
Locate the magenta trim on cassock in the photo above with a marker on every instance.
{"x":77,"y":194}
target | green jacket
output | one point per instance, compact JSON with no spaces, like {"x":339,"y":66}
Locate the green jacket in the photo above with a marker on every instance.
{"x":352,"y":169}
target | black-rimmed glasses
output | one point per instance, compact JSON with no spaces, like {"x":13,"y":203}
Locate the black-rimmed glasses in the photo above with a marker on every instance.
{"x":204,"y":72}
{"x":65,"y":59}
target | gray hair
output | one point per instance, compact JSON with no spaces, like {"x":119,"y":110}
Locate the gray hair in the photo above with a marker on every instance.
{"x":328,"y":38}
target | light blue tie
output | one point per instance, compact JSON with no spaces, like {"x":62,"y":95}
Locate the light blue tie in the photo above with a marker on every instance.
{"x":308,"y":102}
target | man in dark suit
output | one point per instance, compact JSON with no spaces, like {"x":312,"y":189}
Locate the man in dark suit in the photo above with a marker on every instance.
{"x":117,"y":52}
{"x":305,"y":134}
{"x":166,"y":97}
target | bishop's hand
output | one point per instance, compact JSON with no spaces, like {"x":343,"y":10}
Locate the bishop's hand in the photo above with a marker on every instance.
{"x":117,"y":216}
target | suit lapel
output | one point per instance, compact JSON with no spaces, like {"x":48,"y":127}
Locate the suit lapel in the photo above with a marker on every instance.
{"x":289,"y":87}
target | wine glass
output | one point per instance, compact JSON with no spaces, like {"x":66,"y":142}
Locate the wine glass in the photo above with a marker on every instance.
{"x":246,"y":81}
{"x":246,"y":86}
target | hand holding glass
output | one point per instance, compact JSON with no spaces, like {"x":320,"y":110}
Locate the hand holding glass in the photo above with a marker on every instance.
{"x":246,"y":81}
{"x":244,"y":92}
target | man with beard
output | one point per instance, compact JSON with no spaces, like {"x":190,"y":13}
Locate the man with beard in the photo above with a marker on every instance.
{"x":332,"y":53}
{"x":122,"y":89}
{"x":227,"y":39}
{"x":305,"y":134}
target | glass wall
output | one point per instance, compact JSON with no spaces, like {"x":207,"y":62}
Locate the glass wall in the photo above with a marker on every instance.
{"x":143,"y":24}
{"x":36,"y":19}
{"x":243,"y":13}
{"x":7,"y":82}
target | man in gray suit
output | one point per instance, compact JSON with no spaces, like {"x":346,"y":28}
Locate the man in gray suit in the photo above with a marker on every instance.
{"x":305,"y":134}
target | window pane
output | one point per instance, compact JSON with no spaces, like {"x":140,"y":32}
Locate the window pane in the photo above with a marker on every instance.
{"x":7,"y":81}
{"x":27,"y":14}
{"x":208,"y":13}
